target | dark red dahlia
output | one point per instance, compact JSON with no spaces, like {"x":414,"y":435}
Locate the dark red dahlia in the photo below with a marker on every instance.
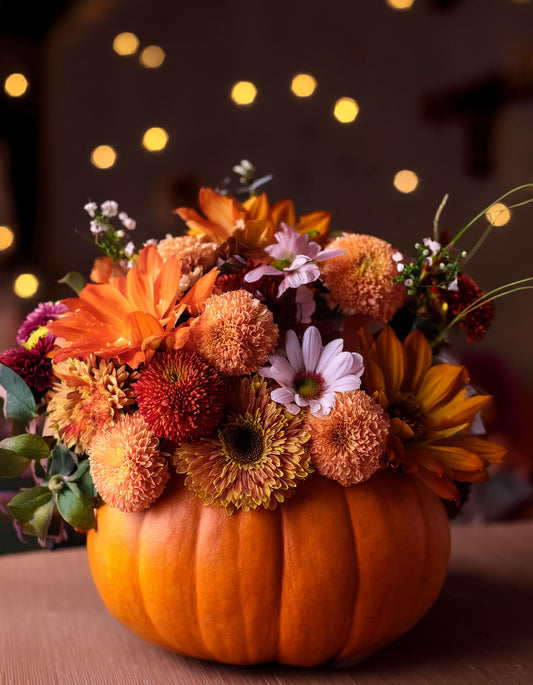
{"x":33,"y":366}
{"x":477,"y":322}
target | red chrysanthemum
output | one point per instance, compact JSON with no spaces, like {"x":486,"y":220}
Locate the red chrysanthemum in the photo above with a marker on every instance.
{"x":477,"y":322}
{"x":33,"y":366}
{"x":180,"y":396}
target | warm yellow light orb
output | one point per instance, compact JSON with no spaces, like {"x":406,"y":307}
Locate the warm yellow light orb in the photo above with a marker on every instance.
{"x":16,"y":85}
{"x":400,"y":4}
{"x":498,"y":215}
{"x":103,"y":157}
{"x":155,"y":139}
{"x":152,"y":57}
{"x":243,"y":93}
{"x":405,"y":181}
{"x":125,"y":44}
{"x":7,"y":237}
{"x":26,"y":285}
{"x":345,"y":110}
{"x":303,"y":85}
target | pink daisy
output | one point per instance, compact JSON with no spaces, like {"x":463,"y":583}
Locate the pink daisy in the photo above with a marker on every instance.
{"x":311,"y":374}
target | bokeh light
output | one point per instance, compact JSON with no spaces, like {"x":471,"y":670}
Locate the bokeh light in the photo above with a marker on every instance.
{"x":26,"y":285}
{"x":400,"y":4}
{"x":303,"y":85}
{"x":103,"y":157}
{"x":498,"y":214}
{"x":345,"y":110}
{"x":155,"y":139}
{"x":405,"y":181}
{"x":7,"y":237}
{"x":16,"y":85}
{"x":243,"y":93}
{"x":152,"y":57}
{"x":125,"y":44}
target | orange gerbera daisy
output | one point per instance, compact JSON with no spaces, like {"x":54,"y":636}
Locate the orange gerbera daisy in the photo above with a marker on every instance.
{"x":131,"y":316}
{"x":252,"y":223}
{"x":430,"y":412}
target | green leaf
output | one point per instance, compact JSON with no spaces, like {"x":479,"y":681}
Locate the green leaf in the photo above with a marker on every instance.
{"x":75,"y":507}
{"x":27,"y":445}
{"x":62,"y":462}
{"x":12,"y":464}
{"x":82,"y":476}
{"x":24,"y":505}
{"x":40,"y":521}
{"x":74,"y":280}
{"x":19,"y":403}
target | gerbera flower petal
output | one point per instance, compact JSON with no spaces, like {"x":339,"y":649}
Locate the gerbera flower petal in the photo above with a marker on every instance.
{"x":311,"y":347}
{"x":441,"y":382}
{"x":294,"y":351}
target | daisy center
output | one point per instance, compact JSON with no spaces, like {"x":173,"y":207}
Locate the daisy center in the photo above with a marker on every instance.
{"x":406,"y":407}
{"x":309,"y":385}
{"x":242,"y":441}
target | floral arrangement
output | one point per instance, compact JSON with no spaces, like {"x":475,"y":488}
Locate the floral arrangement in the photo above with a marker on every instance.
{"x":246,"y":354}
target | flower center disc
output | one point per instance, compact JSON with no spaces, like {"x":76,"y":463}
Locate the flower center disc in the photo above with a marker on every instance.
{"x":309,"y":385}
{"x":242,"y":442}
{"x":406,"y":407}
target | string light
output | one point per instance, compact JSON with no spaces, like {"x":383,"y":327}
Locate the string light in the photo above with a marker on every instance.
{"x":16,"y":85}
{"x":125,"y":44}
{"x":152,"y":57}
{"x":345,"y":110}
{"x":400,"y":4}
{"x":26,"y":285}
{"x":243,"y":93}
{"x":405,"y":181}
{"x":498,"y":215}
{"x":303,"y":85}
{"x":155,"y":139}
{"x":103,"y":157}
{"x":7,"y":237}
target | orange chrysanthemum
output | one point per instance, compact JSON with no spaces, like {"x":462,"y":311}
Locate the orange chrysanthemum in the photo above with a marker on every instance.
{"x":131,"y":316}
{"x":180,"y":396}
{"x":252,"y":223}
{"x":190,"y":251}
{"x":257,"y":457}
{"x":430,"y":412}
{"x":348,"y":445}
{"x":127,"y":468}
{"x":89,"y":395}
{"x":360,"y":281}
{"x":235,"y":333}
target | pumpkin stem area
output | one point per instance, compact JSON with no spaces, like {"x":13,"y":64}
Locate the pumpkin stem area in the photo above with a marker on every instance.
{"x":242,"y":441}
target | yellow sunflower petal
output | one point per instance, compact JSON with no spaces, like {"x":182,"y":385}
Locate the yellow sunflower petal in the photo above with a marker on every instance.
{"x":418,"y":358}
{"x":391,"y":359}
{"x":441,"y":382}
{"x":490,"y":452}
{"x":401,"y":429}
{"x":442,"y":486}
{"x":373,"y":378}
{"x":458,"y":411}
{"x":452,"y":457}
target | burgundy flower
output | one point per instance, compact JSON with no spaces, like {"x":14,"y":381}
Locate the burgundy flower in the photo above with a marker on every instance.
{"x":33,"y":366}
{"x":477,"y":322}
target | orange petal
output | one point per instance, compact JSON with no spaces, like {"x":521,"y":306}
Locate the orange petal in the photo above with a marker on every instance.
{"x":418,"y":359}
{"x":453,"y":457}
{"x":316,"y":222}
{"x":490,"y":452}
{"x":166,"y":286}
{"x":457,"y":412}
{"x":283,"y":211}
{"x":441,"y":382}
{"x":442,"y":486}
{"x":200,"y":291}
{"x":139,"y":325}
{"x":223,"y":210}
{"x":401,"y":429}
{"x":257,"y":207}
{"x":373,"y":377}
{"x":391,"y":358}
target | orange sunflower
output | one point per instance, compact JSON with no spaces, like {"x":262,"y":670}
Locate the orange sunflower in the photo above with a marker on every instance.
{"x":252,"y":224}
{"x":430,"y":412}
{"x":133,"y":315}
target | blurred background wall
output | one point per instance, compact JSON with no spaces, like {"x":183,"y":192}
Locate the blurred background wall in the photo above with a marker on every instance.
{"x":442,"y":88}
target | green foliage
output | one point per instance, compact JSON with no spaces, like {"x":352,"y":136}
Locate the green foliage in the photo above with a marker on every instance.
{"x":19,"y":403}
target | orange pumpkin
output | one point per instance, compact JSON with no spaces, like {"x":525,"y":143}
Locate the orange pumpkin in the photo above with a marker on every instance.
{"x":333,"y":573}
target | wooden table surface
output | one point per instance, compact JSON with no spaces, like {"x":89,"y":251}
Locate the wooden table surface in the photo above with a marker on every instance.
{"x":54,"y":629}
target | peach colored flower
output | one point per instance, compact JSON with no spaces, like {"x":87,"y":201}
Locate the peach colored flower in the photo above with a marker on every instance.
{"x":190,"y":251}
{"x":360,"y":281}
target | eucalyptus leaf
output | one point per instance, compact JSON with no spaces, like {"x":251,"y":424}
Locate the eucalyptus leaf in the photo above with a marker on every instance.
{"x":27,"y":445}
{"x":19,"y":403}
{"x":74,"y":280}
{"x":26,"y":502}
{"x":12,"y":464}
{"x":75,"y":507}
{"x":62,"y":461}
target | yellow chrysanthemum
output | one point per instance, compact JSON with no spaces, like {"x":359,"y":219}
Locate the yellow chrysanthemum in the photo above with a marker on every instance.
{"x":89,"y":395}
{"x":430,"y":412}
{"x":257,"y":457}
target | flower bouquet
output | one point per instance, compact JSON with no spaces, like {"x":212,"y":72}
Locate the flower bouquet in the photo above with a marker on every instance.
{"x":259,"y":425}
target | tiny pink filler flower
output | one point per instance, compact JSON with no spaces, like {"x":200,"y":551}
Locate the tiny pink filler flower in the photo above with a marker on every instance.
{"x":311,"y":374}
{"x":294,"y":258}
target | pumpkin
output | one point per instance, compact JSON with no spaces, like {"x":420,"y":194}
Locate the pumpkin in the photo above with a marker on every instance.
{"x":332,"y":573}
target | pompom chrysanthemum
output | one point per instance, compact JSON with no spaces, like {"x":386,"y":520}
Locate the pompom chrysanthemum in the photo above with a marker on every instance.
{"x":360,"y":281}
{"x":235,"y":333}
{"x":190,"y":251}
{"x":180,"y":395}
{"x":257,"y":457}
{"x":127,"y":468}
{"x":348,"y":444}
{"x":88,"y":395}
